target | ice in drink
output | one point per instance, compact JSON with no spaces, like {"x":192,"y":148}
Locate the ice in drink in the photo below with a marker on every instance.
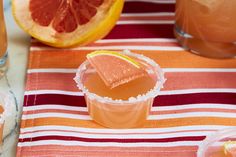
{"x":207,"y":27}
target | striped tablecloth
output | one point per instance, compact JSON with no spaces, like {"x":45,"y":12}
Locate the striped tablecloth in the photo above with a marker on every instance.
{"x":198,"y":98}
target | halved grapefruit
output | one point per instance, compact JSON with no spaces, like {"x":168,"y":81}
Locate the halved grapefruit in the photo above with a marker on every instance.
{"x":65,"y":23}
{"x":115,"y":68}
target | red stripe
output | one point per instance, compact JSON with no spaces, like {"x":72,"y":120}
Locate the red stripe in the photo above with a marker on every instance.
{"x":162,"y":100}
{"x":145,"y":7}
{"x":141,"y":31}
{"x":71,"y":138}
{"x":44,"y":99}
{"x":182,"y":99}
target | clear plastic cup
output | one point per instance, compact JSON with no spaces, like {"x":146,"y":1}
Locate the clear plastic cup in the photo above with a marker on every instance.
{"x":213,"y":145}
{"x":121,"y":113}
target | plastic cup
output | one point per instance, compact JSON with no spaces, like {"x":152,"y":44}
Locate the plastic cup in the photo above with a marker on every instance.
{"x":121,"y":113}
{"x":213,"y":145}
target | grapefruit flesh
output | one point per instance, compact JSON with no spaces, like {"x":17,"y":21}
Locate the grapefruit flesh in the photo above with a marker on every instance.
{"x":114,"y":68}
{"x":64,"y":23}
{"x":65,"y":16}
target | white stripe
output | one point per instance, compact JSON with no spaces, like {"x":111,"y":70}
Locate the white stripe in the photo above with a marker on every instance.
{"x":59,"y":70}
{"x":142,"y":40}
{"x":55,"y":115}
{"x":199,"y":90}
{"x":51,"y":106}
{"x":125,"y":22}
{"x":147,"y":14}
{"x":38,"y":92}
{"x":153,"y":1}
{"x":163,"y":48}
{"x":108,"y":144}
{"x":124,"y":131}
{"x":199,"y":69}
{"x":73,"y":70}
{"x":192,"y":115}
{"x":115,"y":136}
{"x":195,"y":106}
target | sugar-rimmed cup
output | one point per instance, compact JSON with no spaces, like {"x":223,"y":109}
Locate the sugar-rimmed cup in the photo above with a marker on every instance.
{"x":121,"y":113}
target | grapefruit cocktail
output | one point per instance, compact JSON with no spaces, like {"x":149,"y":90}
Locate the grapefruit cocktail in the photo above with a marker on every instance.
{"x":119,"y":91}
{"x":207,"y":27}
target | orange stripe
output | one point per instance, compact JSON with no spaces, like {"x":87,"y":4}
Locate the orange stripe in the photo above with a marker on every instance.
{"x":166,"y":59}
{"x":149,"y":124}
{"x":76,"y":151}
{"x":193,"y":110}
{"x":151,"y":113}
{"x":110,"y":133}
{"x":56,"y":81}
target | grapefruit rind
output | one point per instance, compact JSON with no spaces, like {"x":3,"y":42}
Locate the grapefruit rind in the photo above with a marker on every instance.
{"x":229,"y":146}
{"x":94,"y":30}
{"x":114,"y":54}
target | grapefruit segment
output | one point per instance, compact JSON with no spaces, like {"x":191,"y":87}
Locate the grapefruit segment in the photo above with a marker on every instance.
{"x":230,"y":148}
{"x":64,"y":23}
{"x":115,"y":68}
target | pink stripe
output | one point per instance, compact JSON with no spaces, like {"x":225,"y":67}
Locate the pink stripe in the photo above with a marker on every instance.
{"x":80,"y":151}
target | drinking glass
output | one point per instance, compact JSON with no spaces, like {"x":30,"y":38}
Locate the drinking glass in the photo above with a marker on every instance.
{"x":207,"y":27}
{"x":3,"y":42}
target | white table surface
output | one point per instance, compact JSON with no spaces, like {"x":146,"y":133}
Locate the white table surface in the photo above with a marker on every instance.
{"x":14,"y":81}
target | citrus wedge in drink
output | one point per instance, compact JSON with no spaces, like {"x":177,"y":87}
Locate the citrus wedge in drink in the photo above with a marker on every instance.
{"x":65,"y":23}
{"x":115,"y":68}
{"x":230,"y":149}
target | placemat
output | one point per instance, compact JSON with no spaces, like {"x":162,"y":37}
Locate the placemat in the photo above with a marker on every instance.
{"x":198,"y":98}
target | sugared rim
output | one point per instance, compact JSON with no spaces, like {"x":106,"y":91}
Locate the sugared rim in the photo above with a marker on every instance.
{"x":217,"y":136}
{"x":6,"y":102}
{"x":150,"y":94}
